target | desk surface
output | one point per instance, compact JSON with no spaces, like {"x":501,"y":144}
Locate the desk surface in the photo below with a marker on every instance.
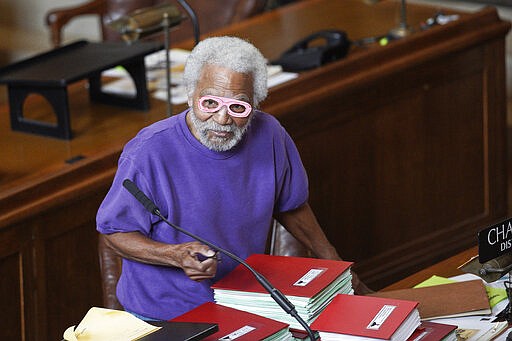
{"x":445,"y":268}
{"x":100,"y":129}
{"x":74,"y":62}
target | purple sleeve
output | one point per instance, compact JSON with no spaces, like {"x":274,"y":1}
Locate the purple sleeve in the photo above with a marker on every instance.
{"x":120,"y":211}
{"x":293,"y":191}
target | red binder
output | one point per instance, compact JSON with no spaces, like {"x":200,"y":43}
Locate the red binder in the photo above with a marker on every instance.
{"x":234,"y":324}
{"x":284,"y":273}
{"x":431,"y":331}
{"x":309,"y":284}
{"x":370,"y":317}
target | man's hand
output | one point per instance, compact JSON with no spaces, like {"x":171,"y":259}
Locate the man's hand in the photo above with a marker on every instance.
{"x":196,"y":259}
{"x":359,"y":287}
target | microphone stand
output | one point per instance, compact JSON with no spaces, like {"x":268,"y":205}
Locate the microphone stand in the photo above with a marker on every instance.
{"x":145,"y":25}
{"x":167,"y":47}
{"x":277,"y":295}
{"x":167,"y":43}
{"x":193,"y":17}
{"x":403,"y":28}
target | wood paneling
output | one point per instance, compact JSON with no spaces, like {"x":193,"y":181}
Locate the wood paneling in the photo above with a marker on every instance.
{"x":415,"y":162}
{"x":405,"y":146}
{"x":13,"y":310}
{"x":71,"y":263}
{"x":48,"y":254}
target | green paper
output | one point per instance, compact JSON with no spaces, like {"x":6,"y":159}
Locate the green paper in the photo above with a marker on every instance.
{"x":434,"y":280}
{"x":496,"y":295}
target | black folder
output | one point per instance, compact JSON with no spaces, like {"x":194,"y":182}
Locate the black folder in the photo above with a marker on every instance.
{"x":181,"y":331}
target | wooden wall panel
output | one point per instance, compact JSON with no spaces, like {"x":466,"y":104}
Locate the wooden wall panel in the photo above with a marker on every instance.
{"x":403,"y":162}
{"x":16,"y":287}
{"x":49,"y":269}
{"x":67,"y":249}
{"x":11,"y":293}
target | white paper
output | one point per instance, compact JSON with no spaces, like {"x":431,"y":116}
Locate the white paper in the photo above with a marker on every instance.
{"x":107,"y":324}
{"x":486,"y":329}
{"x":157,"y":77}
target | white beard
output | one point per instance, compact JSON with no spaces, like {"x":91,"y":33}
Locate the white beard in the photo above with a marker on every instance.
{"x":215,"y":143}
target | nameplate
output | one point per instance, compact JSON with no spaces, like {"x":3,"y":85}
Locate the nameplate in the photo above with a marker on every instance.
{"x":495,"y":241}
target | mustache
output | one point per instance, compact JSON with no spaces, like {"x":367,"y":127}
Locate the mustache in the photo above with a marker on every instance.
{"x":204,"y":126}
{"x":212,"y":125}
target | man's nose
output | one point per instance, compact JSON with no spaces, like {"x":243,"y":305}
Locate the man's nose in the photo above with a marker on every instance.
{"x":222,"y":116}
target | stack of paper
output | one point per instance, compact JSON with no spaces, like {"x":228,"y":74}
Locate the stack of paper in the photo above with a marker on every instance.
{"x":355,"y":318}
{"x":107,"y":324}
{"x":478,"y":327}
{"x":309,"y":283}
{"x":450,"y":301}
{"x":236,"y":324}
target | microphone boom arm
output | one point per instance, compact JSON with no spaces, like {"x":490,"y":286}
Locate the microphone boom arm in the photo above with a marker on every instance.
{"x":277,"y":295}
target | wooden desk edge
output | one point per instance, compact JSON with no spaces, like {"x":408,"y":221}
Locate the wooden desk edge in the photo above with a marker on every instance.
{"x":445,"y":268}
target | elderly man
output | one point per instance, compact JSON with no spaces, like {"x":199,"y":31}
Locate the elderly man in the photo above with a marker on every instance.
{"x":221,"y":169}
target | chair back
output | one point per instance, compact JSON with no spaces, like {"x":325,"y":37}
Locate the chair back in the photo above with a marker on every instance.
{"x":115,"y":9}
{"x":211,"y":14}
{"x":110,"y":268}
{"x":282,"y":243}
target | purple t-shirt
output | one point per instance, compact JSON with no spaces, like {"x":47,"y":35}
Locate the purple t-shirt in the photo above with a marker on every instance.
{"x":227,"y":198}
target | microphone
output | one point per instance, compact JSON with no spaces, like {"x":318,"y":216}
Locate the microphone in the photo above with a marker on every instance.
{"x":277,"y":295}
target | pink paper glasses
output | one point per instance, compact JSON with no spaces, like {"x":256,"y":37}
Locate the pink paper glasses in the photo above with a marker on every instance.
{"x":235,"y":107}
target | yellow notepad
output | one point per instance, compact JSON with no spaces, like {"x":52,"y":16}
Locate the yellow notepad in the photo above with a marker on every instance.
{"x":108,"y":324}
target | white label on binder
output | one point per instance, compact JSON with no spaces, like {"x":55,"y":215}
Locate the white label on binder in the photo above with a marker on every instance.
{"x":381,"y":317}
{"x":238,"y":333}
{"x":308,"y":277}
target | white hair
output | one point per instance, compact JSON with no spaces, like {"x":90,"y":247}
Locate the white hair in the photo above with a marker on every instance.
{"x":233,"y":53}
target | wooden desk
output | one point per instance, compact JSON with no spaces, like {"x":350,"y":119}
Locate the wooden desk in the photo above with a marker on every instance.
{"x":445,"y":268}
{"x":405,"y":146}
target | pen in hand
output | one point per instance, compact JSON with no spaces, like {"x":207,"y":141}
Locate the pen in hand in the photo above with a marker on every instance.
{"x":202,"y":258}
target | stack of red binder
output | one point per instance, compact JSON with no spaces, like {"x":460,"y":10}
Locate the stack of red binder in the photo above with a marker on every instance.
{"x":236,"y":325}
{"x":309,"y":283}
{"x":432,"y":331}
{"x":356,"y":318}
